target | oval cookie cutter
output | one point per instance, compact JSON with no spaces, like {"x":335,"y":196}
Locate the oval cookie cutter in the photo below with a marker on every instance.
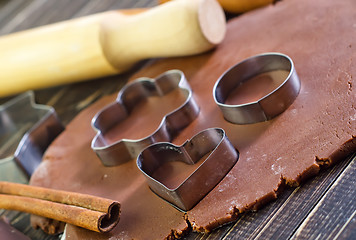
{"x":210,"y":146}
{"x":121,"y":151}
{"x":270,"y":105}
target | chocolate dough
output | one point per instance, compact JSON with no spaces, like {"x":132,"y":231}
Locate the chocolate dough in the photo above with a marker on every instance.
{"x":151,"y":110}
{"x":256,"y":87}
{"x":319,"y":128}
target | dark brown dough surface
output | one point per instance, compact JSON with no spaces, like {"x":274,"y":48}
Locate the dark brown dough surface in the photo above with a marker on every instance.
{"x":319,"y":127}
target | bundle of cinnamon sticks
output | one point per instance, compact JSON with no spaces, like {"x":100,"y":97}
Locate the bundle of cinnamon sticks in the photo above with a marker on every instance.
{"x":86,"y":211}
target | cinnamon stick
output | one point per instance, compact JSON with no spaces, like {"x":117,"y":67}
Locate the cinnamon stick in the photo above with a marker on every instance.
{"x":90,"y":212}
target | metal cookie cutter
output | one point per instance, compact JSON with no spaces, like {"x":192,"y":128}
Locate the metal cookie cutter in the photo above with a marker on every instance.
{"x":37,"y":124}
{"x":125,"y":149}
{"x":210,"y":146}
{"x":266,"y":107}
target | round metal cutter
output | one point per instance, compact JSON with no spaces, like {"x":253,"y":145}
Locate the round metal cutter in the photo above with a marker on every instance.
{"x":268,"y":106}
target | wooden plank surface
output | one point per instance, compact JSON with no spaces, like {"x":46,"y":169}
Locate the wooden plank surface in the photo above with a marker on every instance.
{"x":322,"y":208}
{"x":339,"y":202}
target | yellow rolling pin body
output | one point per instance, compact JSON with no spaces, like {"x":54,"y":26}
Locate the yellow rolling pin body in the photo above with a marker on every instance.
{"x":106,"y":44}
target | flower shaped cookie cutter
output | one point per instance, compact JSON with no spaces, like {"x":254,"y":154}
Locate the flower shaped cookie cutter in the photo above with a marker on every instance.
{"x":123,"y":150}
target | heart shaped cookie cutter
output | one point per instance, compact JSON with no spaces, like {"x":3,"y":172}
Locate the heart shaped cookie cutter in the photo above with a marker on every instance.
{"x":270,"y":105}
{"x":121,"y":151}
{"x":211,"y":147}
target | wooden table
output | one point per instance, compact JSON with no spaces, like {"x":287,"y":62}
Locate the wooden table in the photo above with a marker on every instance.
{"x":322,"y":208}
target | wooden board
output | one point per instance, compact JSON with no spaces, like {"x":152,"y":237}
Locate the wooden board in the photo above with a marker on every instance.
{"x":65,"y":96}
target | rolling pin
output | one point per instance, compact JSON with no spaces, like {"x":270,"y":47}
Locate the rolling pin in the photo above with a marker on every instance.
{"x":239,"y":6}
{"x":106,"y":44}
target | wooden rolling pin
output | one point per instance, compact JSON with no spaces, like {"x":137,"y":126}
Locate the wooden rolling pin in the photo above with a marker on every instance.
{"x":106,"y":44}
{"x":239,"y":6}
